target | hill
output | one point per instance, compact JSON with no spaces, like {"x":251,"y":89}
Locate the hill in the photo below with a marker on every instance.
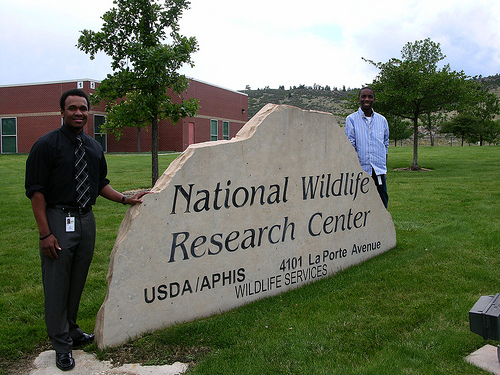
{"x":320,"y":98}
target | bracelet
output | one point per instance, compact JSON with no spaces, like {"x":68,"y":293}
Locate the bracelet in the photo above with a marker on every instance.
{"x":123,"y":199}
{"x":47,"y":236}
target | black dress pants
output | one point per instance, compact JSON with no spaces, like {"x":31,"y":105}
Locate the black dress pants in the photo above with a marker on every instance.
{"x":64,"y":277}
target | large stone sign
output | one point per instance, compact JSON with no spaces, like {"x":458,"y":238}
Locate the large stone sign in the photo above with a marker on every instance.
{"x":282,"y":204}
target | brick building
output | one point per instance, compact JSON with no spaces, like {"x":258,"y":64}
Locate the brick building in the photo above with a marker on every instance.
{"x":31,"y":110}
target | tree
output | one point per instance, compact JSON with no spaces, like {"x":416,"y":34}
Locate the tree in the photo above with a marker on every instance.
{"x":482,"y":105}
{"x":413,"y":85}
{"x":431,"y":122}
{"x":472,"y":129}
{"x":493,"y":134}
{"x":398,"y":129}
{"x":144,"y":67}
{"x":490,"y":132}
{"x":464,"y":125}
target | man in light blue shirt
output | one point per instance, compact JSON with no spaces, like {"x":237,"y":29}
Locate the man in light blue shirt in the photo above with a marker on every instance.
{"x":368,"y":132}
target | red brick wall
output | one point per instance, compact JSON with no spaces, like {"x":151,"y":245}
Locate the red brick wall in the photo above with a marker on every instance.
{"x":216,"y":100}
{"x":128,"y":141}
{"x":214,"y":103}
{"x":29,"y":129}
{"x":36,"y":108}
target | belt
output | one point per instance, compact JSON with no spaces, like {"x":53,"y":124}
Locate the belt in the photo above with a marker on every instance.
{"x":71,"y":209}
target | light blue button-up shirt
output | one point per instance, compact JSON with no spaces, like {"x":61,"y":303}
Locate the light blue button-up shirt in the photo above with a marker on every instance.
{"x":370,"y":139}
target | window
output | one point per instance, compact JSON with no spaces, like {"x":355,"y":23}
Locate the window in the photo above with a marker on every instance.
{"x":9,"y":135}
{"x":214,"y":130}
{"x":225,"y":130}
{"x":99,"y":134}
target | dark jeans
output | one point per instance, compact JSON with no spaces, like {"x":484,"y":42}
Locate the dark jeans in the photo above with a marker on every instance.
{"x":381,"y":187}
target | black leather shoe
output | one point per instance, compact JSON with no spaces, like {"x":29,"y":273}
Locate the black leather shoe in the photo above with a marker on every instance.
{"x":64,"y":361}
{"x":83,"y":340}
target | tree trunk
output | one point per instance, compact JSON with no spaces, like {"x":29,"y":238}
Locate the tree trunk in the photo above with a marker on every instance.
{"x":415,"y":166}
{"x":154,"y":150}
{"x":429,"y":127}
{"x":138,"y":139}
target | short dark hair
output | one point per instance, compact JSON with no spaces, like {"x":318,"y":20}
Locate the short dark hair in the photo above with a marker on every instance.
{"x":366,"y":88}
{"x":73,"y":92}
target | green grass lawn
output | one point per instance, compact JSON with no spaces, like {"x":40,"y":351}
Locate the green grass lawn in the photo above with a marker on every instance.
{"x":404,"y":312}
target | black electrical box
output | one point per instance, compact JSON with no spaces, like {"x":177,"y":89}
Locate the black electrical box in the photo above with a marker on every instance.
{"x":484,"y":316}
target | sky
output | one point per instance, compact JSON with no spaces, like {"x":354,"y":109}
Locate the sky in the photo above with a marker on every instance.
{"x":260,"y":43}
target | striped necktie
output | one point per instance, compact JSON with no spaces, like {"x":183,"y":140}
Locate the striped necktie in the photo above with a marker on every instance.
{"x":81,"y":175}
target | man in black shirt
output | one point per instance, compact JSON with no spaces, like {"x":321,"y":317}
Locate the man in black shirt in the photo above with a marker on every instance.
{"x":65,"y":219}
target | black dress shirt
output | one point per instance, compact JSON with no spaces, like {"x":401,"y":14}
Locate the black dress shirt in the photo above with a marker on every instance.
{"x":50,"y":168}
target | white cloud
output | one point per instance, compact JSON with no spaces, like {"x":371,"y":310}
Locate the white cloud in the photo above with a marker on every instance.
{"x":261,"y":43}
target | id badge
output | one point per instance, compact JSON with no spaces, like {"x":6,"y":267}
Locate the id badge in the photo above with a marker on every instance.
{"x":70,"y":224}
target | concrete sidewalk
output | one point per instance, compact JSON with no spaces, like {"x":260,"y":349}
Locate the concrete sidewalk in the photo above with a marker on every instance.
{"x":485,"y":358}
{"x":88,"y":364}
